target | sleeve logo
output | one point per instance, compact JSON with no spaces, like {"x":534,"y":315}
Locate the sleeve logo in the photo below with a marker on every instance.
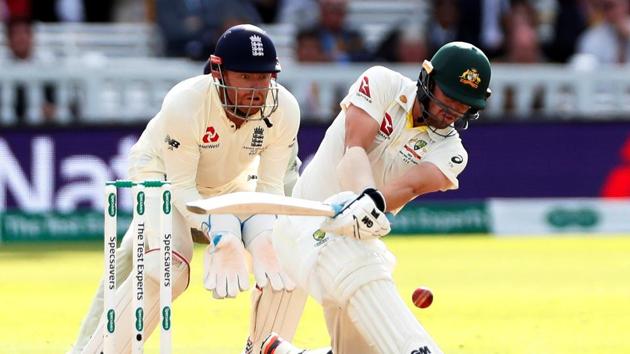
{"x":364,"y":88}
{"x":457,"y":159}
{"x":172,"y":143}
{"x":387,"y":127}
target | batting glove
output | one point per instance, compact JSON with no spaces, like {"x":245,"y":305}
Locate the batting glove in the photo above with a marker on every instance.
{"x":362,"y":218}
{"x":225,"y":266}
{"x":266,"y":266}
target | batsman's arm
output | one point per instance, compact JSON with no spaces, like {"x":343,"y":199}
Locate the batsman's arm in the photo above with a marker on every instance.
{"x":438,"y":171}
{"x":354,"y":169}
{"x":421,"y":179}
{"x":365,"y":106}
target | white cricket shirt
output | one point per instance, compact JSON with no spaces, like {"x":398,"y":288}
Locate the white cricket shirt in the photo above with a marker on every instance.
{"x":201,"y":152}
{"x":388,"y":98}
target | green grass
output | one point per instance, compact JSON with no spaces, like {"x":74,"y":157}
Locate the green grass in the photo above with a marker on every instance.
{"x":506,"y":296}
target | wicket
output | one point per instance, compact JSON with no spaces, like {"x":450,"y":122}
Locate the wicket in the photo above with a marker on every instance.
{"x":110,"y":243}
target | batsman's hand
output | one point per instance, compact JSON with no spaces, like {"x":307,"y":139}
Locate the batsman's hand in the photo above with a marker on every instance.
{"x":267,"y":269}
{"x":362,"y":217}
{"x":225,"y":266}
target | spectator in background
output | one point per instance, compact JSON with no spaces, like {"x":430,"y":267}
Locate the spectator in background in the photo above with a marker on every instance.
{"x":308,"y":47}
{"x":190,"y":28}
{"x":522,"y":43}
{"x":481,"y":22}
{"x":268,"y":9}
{"x":72,"y":10}
{"x":308,"y":50}
{"x":98,"y":11}
{"x":16,"y":8}
{"x":569,"y":23}
{"x":301,"y":13}
{"x":43,"y":10}
{"x":608,"y":42}
{"x":134,"y":11}
{"x":339,"y":42}
{"x":19,"y":37}
{"x":522,"y":47}
{"x":405,"y":44}
{"x":443,"y":24}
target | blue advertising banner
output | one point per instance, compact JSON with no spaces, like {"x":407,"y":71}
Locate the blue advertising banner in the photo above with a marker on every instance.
{"x":535,"y":159}
{"x":62,"y":169}
{"x":65,"y":169}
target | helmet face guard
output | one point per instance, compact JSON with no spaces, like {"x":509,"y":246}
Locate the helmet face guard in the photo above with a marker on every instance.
{"x":246,"y":49}
{"x":246,"y":110}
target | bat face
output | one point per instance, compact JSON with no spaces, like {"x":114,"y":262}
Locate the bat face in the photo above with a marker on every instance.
{"x":259,"y":203}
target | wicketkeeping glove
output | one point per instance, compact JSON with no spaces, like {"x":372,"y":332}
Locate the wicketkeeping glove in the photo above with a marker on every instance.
{"x":362,"y":218}
{"x":266,"y":266}
{"x":225,"y":267}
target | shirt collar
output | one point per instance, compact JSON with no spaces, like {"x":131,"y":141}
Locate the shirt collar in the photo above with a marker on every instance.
{"x":441,"y":134}
{"x":406,"y":98}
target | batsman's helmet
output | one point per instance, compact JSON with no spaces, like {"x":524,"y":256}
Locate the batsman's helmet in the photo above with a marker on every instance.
{"x":247,"y":49}
{"x":462,"y":71}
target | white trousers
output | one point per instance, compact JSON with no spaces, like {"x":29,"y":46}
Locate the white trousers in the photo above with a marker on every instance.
{"x":352,"y":281}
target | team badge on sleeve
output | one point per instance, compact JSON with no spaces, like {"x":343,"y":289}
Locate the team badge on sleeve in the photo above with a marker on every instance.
{"x":387,"y":126}
{"x":364,"y":88}
{"x":172,"y":143}
{"x":457,"y":159}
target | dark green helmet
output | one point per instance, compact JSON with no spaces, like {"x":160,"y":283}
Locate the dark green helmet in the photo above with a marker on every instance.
{"x":462,"y":71}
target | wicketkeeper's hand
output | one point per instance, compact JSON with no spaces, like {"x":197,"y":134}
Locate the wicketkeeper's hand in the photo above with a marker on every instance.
{"x":267,"y":269}
{"x":225,"y":267}
{"x":362,"y":218}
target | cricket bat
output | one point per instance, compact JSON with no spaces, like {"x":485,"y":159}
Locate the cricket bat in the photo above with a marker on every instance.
{"x":260,"y":203}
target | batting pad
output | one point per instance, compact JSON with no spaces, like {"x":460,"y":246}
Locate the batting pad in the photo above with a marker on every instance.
{"x":275,"y":311}
{"x":124,"y":323}
{"x":346,"y":264}
{"x":386,"y":323}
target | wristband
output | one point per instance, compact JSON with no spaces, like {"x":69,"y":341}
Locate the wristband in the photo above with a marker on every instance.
{"x":377,"y":197}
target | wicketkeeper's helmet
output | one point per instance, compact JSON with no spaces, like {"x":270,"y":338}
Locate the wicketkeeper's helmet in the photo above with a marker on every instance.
{"x":462,"y":71}
{"x":247,"y":49}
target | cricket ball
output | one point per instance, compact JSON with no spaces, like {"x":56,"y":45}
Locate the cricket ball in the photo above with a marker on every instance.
{"x":422,"y":297}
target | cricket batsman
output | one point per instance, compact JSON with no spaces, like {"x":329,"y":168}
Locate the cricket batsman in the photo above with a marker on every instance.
{"x":394,"y":139}
{"x":210,"y":131}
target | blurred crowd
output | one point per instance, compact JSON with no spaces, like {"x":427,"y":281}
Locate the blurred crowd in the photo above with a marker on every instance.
{"x":522,"y":31}
{"x":577,"y":32}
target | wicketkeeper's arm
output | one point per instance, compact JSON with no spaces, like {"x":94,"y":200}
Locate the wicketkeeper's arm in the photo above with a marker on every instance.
{"x":182,"y":159}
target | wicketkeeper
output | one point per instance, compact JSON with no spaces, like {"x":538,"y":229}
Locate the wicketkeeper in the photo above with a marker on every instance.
{"x":209,"y":133}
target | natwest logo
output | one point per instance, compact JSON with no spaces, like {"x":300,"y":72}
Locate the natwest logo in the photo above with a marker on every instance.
{"x":47,"y":173}
{"x":211,"y":136}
